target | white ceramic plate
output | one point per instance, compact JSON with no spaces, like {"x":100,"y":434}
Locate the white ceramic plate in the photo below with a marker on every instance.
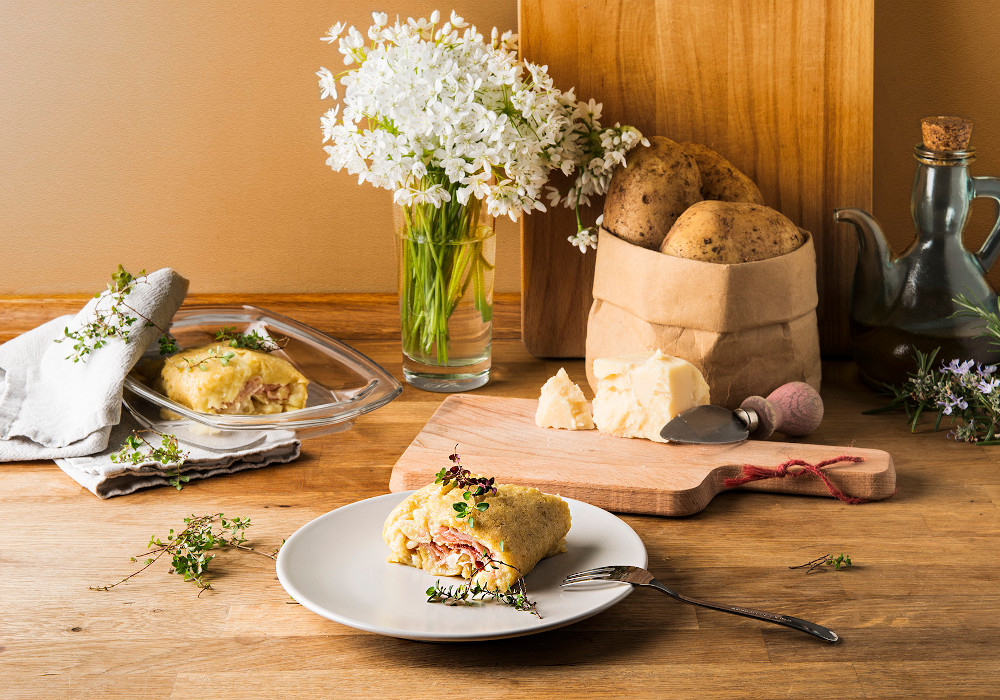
{"x":336,"y":567}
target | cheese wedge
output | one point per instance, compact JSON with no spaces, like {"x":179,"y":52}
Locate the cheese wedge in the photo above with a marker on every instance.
{"x":638,"y":394}
{"x":563,"y":405}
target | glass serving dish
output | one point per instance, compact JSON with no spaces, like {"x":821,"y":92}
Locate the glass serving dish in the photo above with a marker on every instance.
{"x":343,"y":383}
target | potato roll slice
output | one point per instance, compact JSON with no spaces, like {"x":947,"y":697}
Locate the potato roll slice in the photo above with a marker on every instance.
{"x":222,"y":379}
{"x":520,"y":527}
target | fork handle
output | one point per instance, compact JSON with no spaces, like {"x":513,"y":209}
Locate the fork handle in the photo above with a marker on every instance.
{"x":827,"y":635}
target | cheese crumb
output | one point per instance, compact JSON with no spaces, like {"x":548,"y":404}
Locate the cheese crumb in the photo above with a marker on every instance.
{"x":639,"y":394}
{"x":563,"y":405}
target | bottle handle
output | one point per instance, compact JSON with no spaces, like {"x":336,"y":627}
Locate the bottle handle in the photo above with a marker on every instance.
{"x":988,"y":187}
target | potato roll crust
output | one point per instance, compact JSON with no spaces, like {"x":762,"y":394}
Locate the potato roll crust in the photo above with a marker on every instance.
{"x":250,"y":382}
{"x":521,"y":527}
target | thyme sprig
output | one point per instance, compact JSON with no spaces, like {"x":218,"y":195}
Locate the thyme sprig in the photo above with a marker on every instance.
{"x":469,"y":592}
{"x":476,"y":487}
{"x":843,"y":560}
{"x":189,"y":550}
{"x":136,"y":449}
{"x":251,"y":341}
{"x":113,"y":318}
{"x":201,"y":363}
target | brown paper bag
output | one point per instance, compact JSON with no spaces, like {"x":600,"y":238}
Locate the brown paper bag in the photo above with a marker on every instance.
{"x":749,"y":327}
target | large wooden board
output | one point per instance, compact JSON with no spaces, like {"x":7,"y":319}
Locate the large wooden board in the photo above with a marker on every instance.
{"x":781,"y":88}
{"x":498,"y":437}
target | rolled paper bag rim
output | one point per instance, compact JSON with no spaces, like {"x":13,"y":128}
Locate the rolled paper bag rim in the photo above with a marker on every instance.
{"x":717,"y":297}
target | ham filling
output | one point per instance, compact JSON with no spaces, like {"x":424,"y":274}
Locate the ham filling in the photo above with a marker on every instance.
{"x":256,"y":390}
{"x":449,"y":546}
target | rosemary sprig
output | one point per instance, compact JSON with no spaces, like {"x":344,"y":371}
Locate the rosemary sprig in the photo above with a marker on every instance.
{"x":250,"y":341}
{"x":189,"y":549}
{"x":844,"y":560}
{"x":991,"y":319}
{"x":969,"y":394}
{"x":113,"y":318}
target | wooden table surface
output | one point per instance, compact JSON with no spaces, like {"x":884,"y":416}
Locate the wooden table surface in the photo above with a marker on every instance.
{"x":919,"y":613}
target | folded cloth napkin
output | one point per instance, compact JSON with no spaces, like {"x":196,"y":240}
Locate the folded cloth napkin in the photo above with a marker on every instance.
{"x":104,"y":478}
{"x":51,"y":406}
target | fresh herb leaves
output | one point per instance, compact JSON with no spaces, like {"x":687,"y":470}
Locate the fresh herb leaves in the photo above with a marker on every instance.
{"x":990,"y":319}
{"x":168,"y":345}
{"x":189,"y":550}
{"x":113,"y":318}
{"x":469,"y":592}
{"x":250,"y":341}
{"x":969,"y":394}
{"x":223,"y":358}
{"x":844,"y":560}
{"x":476,"y":487}
{"x":137,"y":449}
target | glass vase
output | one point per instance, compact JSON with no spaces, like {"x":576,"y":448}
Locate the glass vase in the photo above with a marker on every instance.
{"x":445,"y":257}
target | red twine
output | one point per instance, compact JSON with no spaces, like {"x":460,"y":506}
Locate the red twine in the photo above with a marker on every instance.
{"x":752,"y":472}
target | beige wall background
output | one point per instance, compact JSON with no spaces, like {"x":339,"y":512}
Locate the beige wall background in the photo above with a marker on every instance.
{"x":186,"y":134}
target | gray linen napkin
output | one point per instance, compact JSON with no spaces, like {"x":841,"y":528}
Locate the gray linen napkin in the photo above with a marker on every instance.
{"x":53,"y":407}
{"x":104,"y":478}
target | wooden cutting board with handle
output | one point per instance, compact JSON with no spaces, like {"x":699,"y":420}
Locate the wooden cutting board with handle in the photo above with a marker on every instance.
{"x":784,"y":90}
{"x":498,"y":437}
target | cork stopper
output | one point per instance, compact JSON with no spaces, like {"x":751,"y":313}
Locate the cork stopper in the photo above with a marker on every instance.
{"x":946,"y":133}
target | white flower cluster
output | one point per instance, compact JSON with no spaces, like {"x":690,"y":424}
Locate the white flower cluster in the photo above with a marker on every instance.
{"x":435,"y":112}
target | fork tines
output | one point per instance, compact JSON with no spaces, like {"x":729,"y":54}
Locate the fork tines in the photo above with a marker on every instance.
{"x":601,"y":573}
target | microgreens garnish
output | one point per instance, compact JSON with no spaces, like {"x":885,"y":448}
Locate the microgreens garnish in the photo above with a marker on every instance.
{"x":475,"y":487}
{"x":137,"y":449}
{"x":189,"y":549}
{"x":250,"y":341}
{"x":844,"y":560}
{"x":113,"y":318}
{"x":201,"y":363}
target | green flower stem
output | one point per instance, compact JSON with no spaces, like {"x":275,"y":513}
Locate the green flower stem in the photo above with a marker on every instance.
{"x":442,"y":256}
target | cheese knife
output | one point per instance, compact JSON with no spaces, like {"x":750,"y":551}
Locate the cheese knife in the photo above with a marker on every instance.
{"x":792,"y":409}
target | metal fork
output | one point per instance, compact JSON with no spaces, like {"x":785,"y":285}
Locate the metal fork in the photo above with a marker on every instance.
{"x":640,"y":577}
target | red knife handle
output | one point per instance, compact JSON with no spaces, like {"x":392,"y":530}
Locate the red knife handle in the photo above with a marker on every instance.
{"x":792,"y":409}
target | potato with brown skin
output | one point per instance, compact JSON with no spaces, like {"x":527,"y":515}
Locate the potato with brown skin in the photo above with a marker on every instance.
{"x":720,"y":179}
{"x":647,"y":196}
{"x":731,"y":232}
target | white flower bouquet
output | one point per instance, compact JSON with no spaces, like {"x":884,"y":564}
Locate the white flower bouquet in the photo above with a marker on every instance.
{"x":449,"y":122}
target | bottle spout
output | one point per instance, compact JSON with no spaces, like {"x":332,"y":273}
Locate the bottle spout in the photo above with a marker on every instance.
{"x":873,"y":279}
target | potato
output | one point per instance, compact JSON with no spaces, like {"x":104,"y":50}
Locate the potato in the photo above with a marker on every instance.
{"x":647,"y":196}
{"x":731,"y":232}
{"x":719,"y":178}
